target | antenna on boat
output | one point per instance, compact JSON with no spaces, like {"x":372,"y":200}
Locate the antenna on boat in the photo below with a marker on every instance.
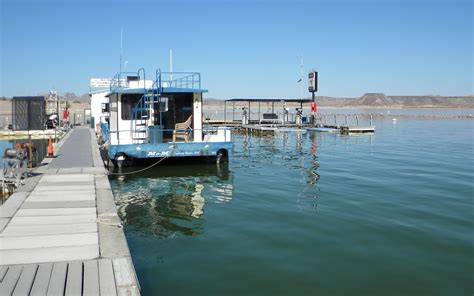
{"x":171,"y":64}
{"x":301,"y":79}
{"x":120,"y":52}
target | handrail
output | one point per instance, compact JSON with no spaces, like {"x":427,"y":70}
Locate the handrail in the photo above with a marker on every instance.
{"x":119,"y":80}
{"x":183,"y":80}
{"x":210,"y":130}
{"x":190,"y":80}
{"x":141,"y":110}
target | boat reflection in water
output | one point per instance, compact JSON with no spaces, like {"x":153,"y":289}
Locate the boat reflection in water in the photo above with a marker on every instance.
{"x":167,"y":200}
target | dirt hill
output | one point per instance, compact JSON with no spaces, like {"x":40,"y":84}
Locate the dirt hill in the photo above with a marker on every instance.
{"x":374,"y":100}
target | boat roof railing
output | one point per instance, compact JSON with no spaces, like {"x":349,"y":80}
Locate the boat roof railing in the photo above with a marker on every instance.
{"x":163,"y":80}
{"x":122,"y":80}
{"x":191,"y":80}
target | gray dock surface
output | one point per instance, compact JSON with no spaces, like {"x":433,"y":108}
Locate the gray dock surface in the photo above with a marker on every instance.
{"x":75,"y":152}
{"x":60,"y":234}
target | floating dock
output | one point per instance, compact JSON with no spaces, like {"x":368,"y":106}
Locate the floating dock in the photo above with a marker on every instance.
{"x":345,"y":129}
{"x":60,"y":233}
{"x":260,"y":129}
{"x":322,"y":124}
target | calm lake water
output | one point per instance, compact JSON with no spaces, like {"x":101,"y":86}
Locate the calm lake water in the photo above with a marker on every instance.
{"x":311,"y":214}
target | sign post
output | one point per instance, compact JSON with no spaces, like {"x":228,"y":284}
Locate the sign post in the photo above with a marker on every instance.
{"x":312,"y":88}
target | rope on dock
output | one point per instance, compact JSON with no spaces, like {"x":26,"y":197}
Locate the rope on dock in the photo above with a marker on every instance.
{"x":138,"y":171}
{"x":105,"y":222}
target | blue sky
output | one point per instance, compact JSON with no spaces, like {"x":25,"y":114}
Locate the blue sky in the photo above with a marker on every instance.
{"x":242,"y":48}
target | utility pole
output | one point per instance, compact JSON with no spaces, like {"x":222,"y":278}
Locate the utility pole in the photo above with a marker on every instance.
{"x":313,"y":87}
{"x":301,"y":79}
{"x":120,"y":54}
{"x":171,"y":64}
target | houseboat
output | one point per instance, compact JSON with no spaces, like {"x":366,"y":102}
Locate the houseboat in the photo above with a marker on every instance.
{"x":149,"y":120}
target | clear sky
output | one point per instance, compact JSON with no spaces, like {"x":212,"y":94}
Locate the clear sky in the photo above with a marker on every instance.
{"x":242,"y":48}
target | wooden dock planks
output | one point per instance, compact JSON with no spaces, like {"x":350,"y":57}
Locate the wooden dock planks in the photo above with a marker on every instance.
{"x":41,"y":282}
{"x":47,"y":233}
{"x":92,"y":277}
{"x":30,"y":230}
{"x":74,"y":279}
{"x":55,"y":212}
{"x":10,"y":279}
{"x":47,"y":241}
{"x":49,"y":236}
{"x":57,"y":282}
{"x":106,"y":277}
{"x":52,"y":254}
{"x":25,"y":281}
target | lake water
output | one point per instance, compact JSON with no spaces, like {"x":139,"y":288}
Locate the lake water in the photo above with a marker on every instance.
{"x":390,"y":213}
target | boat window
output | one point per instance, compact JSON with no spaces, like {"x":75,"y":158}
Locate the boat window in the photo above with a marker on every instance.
{"x":129,"y":101}
{"x":163,"y":104}
{"x":105,"y":107}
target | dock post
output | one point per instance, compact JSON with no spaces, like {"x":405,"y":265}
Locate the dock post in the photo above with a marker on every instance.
{"x":30,"y":152}
{"x":259,"y":112}
{"x":357,"y":119}
{"x":335,"y":119}
{"x":345,"y":118}
{"x":371,"y":121}
{"x":233,"y":109}
{"x":248,"y":120}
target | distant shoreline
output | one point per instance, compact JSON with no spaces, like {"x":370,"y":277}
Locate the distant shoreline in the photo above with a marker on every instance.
{"x":345,"y":107}
{"x":381,"y":101}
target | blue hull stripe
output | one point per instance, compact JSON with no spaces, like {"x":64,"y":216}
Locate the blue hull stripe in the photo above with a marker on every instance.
{"x":169,"y":149}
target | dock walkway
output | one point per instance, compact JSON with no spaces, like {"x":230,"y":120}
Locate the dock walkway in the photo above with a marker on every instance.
{"x":60,"y":234}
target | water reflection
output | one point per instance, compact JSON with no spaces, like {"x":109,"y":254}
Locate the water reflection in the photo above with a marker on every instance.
{"x":313,"y":176}
{"x":299,"y":141}
{"x":291,"y":152}
{"x":171,"y":199}
{"x":246,"y":145}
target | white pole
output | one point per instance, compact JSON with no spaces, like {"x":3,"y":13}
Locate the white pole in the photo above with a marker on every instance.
{"x":301,"y":80}
{"x":171,"y":64}
{"x":120,"y":52}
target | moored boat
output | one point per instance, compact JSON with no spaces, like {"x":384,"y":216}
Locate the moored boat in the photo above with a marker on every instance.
{"x":160,"y":118}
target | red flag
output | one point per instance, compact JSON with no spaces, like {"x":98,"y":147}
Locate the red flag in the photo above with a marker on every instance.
{"x":65,"y":114}
{"x":313,"y":107}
